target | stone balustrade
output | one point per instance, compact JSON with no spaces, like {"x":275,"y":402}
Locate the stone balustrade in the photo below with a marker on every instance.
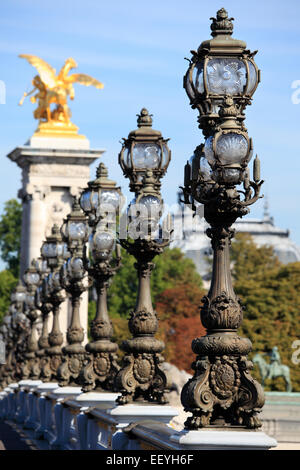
{"x":67,"y":419}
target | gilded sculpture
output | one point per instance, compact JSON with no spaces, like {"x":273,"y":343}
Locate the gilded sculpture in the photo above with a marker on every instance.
{"x":51,"y":89}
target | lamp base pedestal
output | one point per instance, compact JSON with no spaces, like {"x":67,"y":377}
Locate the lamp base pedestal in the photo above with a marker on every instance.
{"x":217,"y":439}
{"x":97,"y":399}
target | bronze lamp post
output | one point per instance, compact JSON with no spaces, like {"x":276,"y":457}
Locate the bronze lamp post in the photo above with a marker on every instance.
{"x":18,"y":329}
{"x":32,"y":278}
{"x":144,"y":158}
{"x":43,"y":304}
{"x":14,"y":330}
{"x":220,"y":82}
{"x":73,"y":278}
{"x":101,"y":201}
{"x":54,"y":250}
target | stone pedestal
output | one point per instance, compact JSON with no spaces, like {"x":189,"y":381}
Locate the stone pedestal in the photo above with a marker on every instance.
{"x":12,"y":400}
{"x":91,"y":400}
{"x":44,"y":422}
{"x":222,"y":440}
{"x":54,"y":169}
{"x":62,"y":419}
{"x":32,"y":420}
{"x":134,"y":413}
{"x":102,"y":400}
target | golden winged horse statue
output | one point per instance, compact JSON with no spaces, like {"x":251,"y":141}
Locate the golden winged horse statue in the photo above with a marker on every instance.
{"x":49,"y":89}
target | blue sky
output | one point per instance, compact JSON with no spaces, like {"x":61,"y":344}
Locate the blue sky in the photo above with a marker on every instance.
{"x":137,"y":49}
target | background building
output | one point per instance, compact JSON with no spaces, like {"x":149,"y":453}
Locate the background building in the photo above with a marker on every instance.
{"x":191,"y":238}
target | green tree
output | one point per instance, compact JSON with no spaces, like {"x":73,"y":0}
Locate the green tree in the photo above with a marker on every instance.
{"x":7,"y":283}
{"x":171,"y":269}
{"x":10,"y":242}
{"x":270,"y":293}
{"x":10,"y":235}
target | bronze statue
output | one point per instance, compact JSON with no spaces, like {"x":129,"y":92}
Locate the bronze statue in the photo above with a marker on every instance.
{"x":51,"y":88}
{"x":274,"y":369}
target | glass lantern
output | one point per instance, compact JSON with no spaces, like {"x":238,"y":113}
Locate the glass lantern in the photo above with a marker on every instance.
{"x":19,"y":294}
{"x":143,"y":150}
{"x":42,"y":267}
{"x":228,"y":153}
{"x":221,"y":67}
{"x":31,"y":276}
{"x":144,"y":214}
{"x":76,"y":268}
{"x":75,"y":229}
{"x":54,"y":248}
{"x":102,"y":243}
{"x":101,"y":195}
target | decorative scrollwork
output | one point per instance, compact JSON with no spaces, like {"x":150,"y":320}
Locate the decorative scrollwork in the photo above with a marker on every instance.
{"x":221,"y":312}
{"x":222,"y":391}
{"x":143,"y":322}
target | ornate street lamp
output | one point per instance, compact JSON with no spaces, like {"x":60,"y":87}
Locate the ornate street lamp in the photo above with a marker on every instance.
{"x":32,"y":279}
{"x":7,"y":372}
{"x":18,"y":297}
{"x":55,"y":251}
{"x":101,"y":368}
{"x":43,"y":304}
{"x":144,"y":158}
{"x":220,"y":81}
{"x":73,"y":278}
{"x":145,"y":149}
{"x":221,"y":67}
{"x":102,"y":196}
{"x":14,"y":332}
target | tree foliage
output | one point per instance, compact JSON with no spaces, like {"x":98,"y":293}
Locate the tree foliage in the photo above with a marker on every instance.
{"x":10,"y":243}
{"x":171,"y":269}
{"x":7,"y":283}
{"x":270,"y":293}
{"x":10,"y":235}
{"x":179,"y":315}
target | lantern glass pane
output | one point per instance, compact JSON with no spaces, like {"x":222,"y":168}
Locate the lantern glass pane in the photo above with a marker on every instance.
{"x":146,"y":156}
{"x":50,"y":250}
{"x":231,"y":148}
{"x":111,"y":197}
{"x":126,"y":157}
{"x":94,"y":200}
{"x":252,"y":78}
{"x":77,"y":267}
{"x":165,"y":157}
{"x":85,"y":201}
{"x":226,"y":76}
{"x":205,"y":169}
{"x":103,"y":241}
{"x":198,"y":77}
{"x":208,"y":151}
{"x":60,"y":249}
{"x":189,"y":88}
{"x":41,"y":265}
{"x":77,"y":230}
{"x":152,"y":205}
{"x":20,"y":296}
{"x":32,"y":278}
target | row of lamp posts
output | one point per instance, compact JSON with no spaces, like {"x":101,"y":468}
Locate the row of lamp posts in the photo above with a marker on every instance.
{"x":220,"y":81}
{"x":67,"y":269}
